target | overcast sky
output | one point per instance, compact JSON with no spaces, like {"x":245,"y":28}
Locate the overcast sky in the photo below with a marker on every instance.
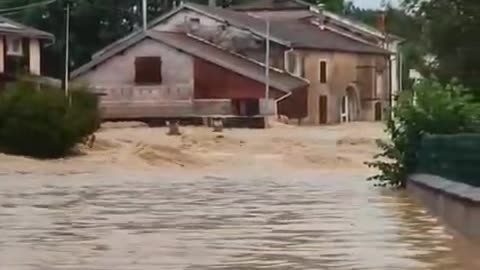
{"x":371,"y":3}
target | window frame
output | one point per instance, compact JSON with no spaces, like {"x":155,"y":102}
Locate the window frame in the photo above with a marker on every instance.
{"x":19,"y":48}
{"x":321,"y":78}
{"x":149,"y":81}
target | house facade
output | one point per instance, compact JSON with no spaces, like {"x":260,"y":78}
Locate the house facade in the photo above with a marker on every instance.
{"x":171,"y":72}
{"x":21,"y":50}
{"x":379,"y":75}
{"x":200,"y":61}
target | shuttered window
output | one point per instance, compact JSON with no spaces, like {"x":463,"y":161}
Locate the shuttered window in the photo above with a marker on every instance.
{"x":148,"y":70}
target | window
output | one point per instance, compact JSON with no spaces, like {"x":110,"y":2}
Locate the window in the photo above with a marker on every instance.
{"x":295,"y":63}
{"x":194,"y":23}
{"x":301,"y":66}
{"x":379,"y":85}
{"x":290,"y":61}
{"x":14,"y":46}
{"x":322,"y":71}
{"x":148,"y":70}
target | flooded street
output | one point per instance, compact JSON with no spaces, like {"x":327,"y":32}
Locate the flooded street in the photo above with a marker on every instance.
{"x":147,"y":221}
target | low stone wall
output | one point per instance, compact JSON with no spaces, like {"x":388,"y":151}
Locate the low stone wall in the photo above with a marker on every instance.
{"x":457,"y":204}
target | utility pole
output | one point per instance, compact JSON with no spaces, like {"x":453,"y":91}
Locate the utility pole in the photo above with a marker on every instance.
{"x":267,"y":70}
{"x":144,"y":15}
{"x":67,"y":49}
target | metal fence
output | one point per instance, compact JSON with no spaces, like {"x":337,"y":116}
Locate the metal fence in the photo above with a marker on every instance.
{"x":456,"y":157}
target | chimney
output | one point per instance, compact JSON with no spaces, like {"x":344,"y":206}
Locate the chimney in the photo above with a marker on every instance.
{"x":381,"y":24}
{"x":212,"y":3}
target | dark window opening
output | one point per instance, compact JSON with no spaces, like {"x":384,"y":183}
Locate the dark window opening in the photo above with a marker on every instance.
{"x":195,"y":20}
{"x":302,"y":66}
{"x":148,"y":70}
{"x":378,"y":111}
{"x":323,"y":71}
{"x":323,"y":111}
{"x":246,"y":107}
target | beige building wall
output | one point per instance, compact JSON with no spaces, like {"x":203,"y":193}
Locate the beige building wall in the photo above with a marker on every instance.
{"x":118,"y":72}
{"x":361,"y":73}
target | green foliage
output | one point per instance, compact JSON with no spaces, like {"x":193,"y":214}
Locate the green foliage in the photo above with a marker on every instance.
{"x":44,"y":123}
{"x":399,"y":23}
{"x":431,"y":109}
{"x":332,"y":5}
{"x":450,"y":31}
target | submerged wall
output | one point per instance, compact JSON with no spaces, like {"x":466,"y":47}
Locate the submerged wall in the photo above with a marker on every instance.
{"x":457,"y":204}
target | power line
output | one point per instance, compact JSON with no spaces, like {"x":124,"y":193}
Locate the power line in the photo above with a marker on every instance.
{"x":20,"y":8}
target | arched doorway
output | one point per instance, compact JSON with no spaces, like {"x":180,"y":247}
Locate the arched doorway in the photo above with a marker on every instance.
{"x":350,"y":105}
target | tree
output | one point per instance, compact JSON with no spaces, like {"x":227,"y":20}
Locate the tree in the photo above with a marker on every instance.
{"x":403,"y":25}
{"x":451,"y":34}
{"x":94,"y":24}
{"x":434,"y":109}
{"x":337,"y":6}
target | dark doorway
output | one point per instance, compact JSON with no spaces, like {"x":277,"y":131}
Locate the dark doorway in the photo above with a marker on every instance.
{"x":323,"y":109}
{"x":246,"y":107}
{"x":378,"y":111}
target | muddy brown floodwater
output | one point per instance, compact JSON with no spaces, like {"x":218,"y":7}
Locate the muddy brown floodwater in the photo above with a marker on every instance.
{"x":146,"y":221}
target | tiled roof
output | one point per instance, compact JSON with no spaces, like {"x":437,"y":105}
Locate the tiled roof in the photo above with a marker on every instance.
{"x":197,"y":48}
{"x":272,"y":5}
{"x":13,"y":27}
{"x":293,"y":33}
{"x":278,"y":79}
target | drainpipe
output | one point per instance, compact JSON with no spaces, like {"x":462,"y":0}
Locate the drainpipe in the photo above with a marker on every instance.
{"x":67,"y":51}
{"x":390,"y":84}
{"x":267,"y":69}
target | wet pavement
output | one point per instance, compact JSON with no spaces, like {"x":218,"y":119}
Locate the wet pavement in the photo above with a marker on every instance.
{"x":143,"y":222}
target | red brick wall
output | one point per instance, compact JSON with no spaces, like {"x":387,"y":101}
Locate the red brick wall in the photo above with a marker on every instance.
{"x":212,"y":81}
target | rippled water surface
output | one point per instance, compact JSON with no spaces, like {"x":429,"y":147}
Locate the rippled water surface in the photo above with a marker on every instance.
{"x":143,"y":222}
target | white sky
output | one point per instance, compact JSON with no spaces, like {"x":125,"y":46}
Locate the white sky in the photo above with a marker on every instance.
{"x":372,"y":3}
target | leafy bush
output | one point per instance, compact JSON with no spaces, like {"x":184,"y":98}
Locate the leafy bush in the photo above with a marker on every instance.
{"x":44,"y":123}
{"x":432,"y":108}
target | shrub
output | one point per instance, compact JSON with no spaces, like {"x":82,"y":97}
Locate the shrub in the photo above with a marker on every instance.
{"x":433,"y":109}
{"x":44,"y":123}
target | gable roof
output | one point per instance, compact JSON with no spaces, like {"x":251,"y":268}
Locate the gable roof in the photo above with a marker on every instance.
{"x":292,"y":32}
{"x":12,"y":27}
{"x":277,"y":5}
{"x":272,"y":5}
{"x":198,"y":48}
{"x":278,"y":79}
{"x":310,"y":39}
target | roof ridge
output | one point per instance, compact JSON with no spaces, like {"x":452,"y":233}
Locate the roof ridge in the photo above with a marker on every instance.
{"x":26,"y":27}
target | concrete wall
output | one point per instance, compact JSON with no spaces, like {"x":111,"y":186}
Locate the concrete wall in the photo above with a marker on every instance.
{"x":358,"y":71}
{"x":119,"y":72}
{"x":173,"y":108}
{"x":457,"y":204}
